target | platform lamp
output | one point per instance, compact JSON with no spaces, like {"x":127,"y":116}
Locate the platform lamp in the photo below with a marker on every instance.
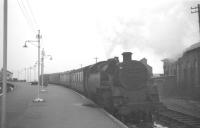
{"x":42,"y":68}
{"x":35,"y":68}
{"x":30,"y":68}
{"x":38,"y":36}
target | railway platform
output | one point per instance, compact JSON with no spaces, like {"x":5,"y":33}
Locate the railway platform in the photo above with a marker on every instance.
{"x":62,"y":108}
{"x":187,"y":107}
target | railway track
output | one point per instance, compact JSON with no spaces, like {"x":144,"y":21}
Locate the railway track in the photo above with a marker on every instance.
{"x":174,"y":119}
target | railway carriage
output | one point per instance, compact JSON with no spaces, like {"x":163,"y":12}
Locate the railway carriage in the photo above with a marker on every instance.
{"x":77,"y":81}
{"x":54,"y":78}
{"x":65,"y":78}
{"x":123,"y":88}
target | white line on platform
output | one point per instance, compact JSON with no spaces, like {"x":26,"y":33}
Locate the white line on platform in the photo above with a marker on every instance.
{"x":1,"y":94}
{"x":114,"y":119}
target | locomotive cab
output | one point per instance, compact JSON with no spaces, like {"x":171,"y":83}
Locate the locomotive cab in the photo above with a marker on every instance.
{"x":100,"y":81}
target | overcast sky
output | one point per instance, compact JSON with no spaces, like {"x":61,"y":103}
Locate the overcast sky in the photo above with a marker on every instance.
{"x":75,"y":32}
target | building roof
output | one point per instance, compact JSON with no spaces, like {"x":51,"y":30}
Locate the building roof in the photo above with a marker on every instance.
{"x":192,"y":47}
{"x":168,"y":60}
{"x":7,"y":71}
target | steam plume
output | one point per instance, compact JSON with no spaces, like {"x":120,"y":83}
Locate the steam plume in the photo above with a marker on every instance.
{"x":167,"y":30}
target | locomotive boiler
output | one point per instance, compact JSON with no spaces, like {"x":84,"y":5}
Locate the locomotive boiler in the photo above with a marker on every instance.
{"x":122,"y":88}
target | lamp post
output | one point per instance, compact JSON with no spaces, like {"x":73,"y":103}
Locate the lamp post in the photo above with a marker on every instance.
{"x":38,"y":36}
{"x":35,"y":66}
{"x":5,"y":32}
{"x":27,"y":74}
{"x":42,"y":68}
{"x":20,"y":75}
{"x":30,"y":73}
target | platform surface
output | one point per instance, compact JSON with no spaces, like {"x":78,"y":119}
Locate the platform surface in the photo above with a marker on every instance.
{"x":62,"y":108}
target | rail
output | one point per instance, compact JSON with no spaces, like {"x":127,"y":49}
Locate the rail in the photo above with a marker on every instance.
{"x":176,"y":119}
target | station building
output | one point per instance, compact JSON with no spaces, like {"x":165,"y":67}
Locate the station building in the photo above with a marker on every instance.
{"x":9,"y":75}
{"x":185,"y":72}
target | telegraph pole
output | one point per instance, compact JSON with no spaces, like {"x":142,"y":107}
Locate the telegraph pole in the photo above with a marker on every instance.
{"x":3,"y":110}
{"x":96,"y":59}
{"x":196,"y":10}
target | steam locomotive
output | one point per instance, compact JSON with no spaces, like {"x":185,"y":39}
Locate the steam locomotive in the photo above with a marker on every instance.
{"x":123,"y":89}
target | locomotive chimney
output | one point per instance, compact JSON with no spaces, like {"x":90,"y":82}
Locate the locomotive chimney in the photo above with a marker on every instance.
{"x":127,"y":56}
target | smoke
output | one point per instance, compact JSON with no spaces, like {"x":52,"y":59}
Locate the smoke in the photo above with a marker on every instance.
{"x":166,"y":29}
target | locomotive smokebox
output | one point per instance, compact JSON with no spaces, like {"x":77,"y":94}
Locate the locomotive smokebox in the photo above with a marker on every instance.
{"x":127,"y":56}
